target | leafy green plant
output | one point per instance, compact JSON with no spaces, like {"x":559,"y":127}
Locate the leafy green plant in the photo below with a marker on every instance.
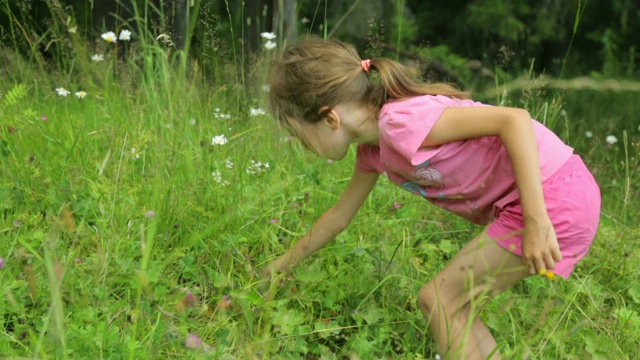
{"x":135,"y":222}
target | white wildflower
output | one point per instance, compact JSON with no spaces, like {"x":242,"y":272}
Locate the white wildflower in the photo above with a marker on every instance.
{"x":97,"y":57}
{"x":588,"y":134}
{"x":222,"y":116}
{"x":125,"y":35}
{"x":270,"y":45}
{"x":81,"y":94}
{"x":218,"y":140}
{"x":109,"y":37}
{"x":257,"y":167}
{"x":268,"y":35}
{"x":192,"y":122}
{"x":257,"y":112}
{"x":611,"y":139}
{"x":62,"y":91}
{"x":217,"y":177}
{"x":219,"y":115}
{"x":228,"y":163}
{"x":134,"y":154}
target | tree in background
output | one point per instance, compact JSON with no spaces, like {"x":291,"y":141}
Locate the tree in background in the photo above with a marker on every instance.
{"x":573,"y":37}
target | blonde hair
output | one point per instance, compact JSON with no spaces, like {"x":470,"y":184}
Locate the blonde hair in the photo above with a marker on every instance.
{"x":316,"y":74}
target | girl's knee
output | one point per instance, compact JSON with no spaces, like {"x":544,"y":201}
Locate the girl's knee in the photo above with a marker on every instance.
{"x":432,"y":298}
{"x":427,"y":298}
{"x":439,"y":296}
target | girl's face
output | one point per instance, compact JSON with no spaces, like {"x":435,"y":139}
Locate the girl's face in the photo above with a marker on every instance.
{"x":342,"y":126}
{"x":327,"y":139}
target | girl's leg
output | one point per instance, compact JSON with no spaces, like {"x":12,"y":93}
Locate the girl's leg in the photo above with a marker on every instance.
{"x":484,"y":340}
{"x":449,"y":301}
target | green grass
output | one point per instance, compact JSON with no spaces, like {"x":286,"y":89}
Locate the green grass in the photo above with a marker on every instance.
{"x":118,"y":241}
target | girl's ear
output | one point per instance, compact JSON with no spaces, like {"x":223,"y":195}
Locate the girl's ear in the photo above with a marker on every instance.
{"x":332,"y":119}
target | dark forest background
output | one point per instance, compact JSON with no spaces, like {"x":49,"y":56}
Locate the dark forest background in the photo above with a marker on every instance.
{"x":559,"y":38}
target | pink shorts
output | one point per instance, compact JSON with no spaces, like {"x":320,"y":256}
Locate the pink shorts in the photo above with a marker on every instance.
{"x":573,"y":200}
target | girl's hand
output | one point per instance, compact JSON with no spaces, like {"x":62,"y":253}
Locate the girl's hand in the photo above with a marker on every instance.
{"x":330,"y":224}
{"x":279,"y":265}
{"x":540,"y":249}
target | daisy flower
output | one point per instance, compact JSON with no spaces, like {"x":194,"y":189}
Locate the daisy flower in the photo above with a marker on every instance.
{"x":268,"y":35}
{"x":109,"y":36}
{"x":218,"y":140}
{"x":125,"y":35}
{"x":62,"y":91}
{"x":97,"y":57}
{"x":81,"y":94}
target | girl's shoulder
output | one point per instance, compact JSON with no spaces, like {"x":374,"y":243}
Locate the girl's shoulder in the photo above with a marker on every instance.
{"x":422,"y":103}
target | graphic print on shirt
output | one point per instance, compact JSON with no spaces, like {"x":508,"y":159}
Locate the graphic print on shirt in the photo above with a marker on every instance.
{"x":426,"y":176}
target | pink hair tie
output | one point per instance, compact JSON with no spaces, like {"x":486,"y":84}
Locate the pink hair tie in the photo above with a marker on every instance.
{"x":366,"y":65}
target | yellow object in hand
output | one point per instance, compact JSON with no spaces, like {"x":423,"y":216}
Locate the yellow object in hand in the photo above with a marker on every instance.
{"x":550,"y":275}
{"x":542,"y":272}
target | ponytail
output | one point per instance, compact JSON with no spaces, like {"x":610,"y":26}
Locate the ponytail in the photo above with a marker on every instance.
{"x":395,"y":82}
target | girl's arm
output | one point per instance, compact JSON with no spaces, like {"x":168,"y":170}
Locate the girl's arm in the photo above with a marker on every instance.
{"x":330,"y":224}
{"x":514,"y":127}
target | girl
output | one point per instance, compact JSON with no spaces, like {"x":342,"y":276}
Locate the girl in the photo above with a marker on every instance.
{"x":494,"y":166}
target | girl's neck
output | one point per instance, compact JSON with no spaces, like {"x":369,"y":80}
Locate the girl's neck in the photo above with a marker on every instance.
{"x":361,"y":121}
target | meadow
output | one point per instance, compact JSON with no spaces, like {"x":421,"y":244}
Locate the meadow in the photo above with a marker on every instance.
{"x":141,"y":197}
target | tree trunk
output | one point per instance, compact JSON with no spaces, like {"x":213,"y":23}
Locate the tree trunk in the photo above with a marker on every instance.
{"x":180,"y":20}
{"x":284,"y":20}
